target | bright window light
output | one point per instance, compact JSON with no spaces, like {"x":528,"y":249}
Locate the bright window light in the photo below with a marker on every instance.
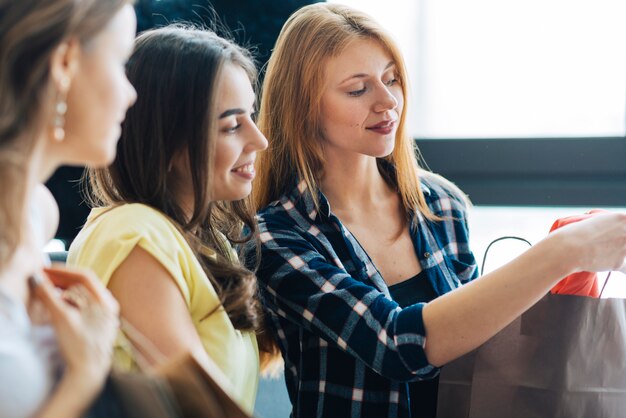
{"x":54,"y":245}
{"x":533,"y":68}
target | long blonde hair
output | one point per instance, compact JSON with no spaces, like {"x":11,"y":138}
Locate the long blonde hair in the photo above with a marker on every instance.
{"x":290,"y":111}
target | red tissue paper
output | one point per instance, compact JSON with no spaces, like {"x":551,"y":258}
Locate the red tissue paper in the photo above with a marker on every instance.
{"x":583,"y":283}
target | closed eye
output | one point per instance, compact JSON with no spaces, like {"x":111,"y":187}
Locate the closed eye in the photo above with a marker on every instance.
{"x":232,"y":129}
{"x":356,"y":93}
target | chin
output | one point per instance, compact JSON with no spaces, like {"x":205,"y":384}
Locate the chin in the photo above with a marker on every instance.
{"x":384,"y":148}
{"x":103,"y":153}
{"x":104,"y":158}
{"x":381,"y":153}
{"x":241,"y":195}
{"x":233,"y":195}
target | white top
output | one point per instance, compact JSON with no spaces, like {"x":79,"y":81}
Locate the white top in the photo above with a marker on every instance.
{"x":29,"y":360}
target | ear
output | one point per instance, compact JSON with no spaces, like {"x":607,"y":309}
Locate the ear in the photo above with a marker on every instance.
{"x":64,"y":64}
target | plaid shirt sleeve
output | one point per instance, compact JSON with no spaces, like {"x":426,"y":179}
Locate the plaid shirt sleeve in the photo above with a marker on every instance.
{"x":301,"y":284}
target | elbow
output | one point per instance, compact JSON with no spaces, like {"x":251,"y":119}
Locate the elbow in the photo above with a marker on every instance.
{"x":404,"y":375}
{"x":397,"y":368}
{"x":436,"y":359}
{"x":441,"y":352}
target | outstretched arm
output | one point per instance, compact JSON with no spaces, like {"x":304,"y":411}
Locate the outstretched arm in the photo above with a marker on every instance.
{"x":461,"y":320}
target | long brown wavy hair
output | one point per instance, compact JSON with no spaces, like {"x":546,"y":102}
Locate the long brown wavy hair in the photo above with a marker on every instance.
{"x":30,"y":32}
{"x":290,"y":111}
{"x":175,"y":71}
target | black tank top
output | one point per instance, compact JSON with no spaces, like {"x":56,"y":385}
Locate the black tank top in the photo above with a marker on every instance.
{"x":422,"y":394}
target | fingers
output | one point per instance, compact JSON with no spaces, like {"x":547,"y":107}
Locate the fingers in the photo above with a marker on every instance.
{"x":75,"y":311}
{"x":45,"y":292}
{"x":597,"y":243}
{"x":66,"y":278}
{"x":77,"y":296}
{"x":85,"y":318}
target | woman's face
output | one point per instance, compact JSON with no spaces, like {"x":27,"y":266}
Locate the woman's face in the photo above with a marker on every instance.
{"x":238,"y":138}
{"x":362,"y":101}
{"x":100,"y":94}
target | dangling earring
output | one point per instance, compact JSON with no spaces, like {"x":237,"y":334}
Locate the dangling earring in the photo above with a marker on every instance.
{"x":60,"y":108}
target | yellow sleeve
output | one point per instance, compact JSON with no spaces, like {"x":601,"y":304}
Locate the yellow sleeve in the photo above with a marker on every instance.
{"x":111,"y":234}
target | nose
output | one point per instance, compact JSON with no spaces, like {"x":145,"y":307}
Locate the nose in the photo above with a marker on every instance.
{"x":385,"y":100}
{"x":256,"y":141}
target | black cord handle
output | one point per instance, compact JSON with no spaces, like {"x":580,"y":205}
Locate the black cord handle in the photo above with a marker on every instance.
{"x":482,"y":267}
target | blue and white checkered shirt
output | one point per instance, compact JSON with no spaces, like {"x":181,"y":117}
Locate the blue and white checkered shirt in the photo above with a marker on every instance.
{"x":349,"y":349}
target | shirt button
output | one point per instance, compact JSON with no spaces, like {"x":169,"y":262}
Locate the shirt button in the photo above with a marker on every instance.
{"x":426,"y":254}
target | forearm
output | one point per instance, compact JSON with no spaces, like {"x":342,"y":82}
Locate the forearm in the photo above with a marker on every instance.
{"x":71,"y":398}
{"x":460,"y":321}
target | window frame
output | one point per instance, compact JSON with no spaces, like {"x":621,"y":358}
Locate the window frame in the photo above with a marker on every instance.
{"x":533,"y":171}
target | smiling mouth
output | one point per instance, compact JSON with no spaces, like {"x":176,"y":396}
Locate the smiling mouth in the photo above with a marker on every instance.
{"x":383,"y":128}
{"x":245,"y":170}
{"x":383,"y":125}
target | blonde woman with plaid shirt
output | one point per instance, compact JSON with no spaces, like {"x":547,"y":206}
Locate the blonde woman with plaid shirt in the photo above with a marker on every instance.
{"x":365,"y":267}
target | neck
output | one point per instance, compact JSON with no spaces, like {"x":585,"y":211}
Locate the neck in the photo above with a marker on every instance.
{"x":43,"y":162}
{"x":354,"y":181}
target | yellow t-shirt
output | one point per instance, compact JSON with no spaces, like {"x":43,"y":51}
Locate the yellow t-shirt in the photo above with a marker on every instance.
{"x":107,"y":239}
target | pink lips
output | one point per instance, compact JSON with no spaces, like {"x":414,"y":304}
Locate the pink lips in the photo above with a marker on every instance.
{"x":384,"y":128}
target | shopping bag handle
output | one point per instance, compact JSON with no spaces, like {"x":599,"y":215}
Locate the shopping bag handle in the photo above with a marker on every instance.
{"x":143,"y":349}
{"x":482,"y":267}
{"x":608,"y":276}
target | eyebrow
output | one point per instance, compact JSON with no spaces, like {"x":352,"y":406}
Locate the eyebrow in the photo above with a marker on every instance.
{"x":363,"y":75}
{"x":230,"y":112}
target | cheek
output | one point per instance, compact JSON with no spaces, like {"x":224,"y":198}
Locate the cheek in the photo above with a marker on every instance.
{"x":225,"y":157}
{"x":345,"y":117}
{"x":97,"y":101}
{"x":95,"y":110}
{"x":109,"y":90}
{"x":113,"y":95}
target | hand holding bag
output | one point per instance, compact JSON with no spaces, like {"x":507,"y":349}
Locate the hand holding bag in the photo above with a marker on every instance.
{"x":564,"y":357}
{"x":583,"y":283}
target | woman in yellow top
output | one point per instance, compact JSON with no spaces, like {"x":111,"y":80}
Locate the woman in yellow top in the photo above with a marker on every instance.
{"x":175,"y":199}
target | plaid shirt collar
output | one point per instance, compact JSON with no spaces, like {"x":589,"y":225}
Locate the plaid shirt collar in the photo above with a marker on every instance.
{"x":303,"y":199}
{"x":303,"y":202}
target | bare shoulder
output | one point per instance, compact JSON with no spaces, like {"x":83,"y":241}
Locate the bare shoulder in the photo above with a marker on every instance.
{"x":141,"y":276}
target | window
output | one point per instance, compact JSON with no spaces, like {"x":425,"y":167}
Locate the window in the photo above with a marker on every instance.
{"x":494,"y":69}
{"x":518,"y":102}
